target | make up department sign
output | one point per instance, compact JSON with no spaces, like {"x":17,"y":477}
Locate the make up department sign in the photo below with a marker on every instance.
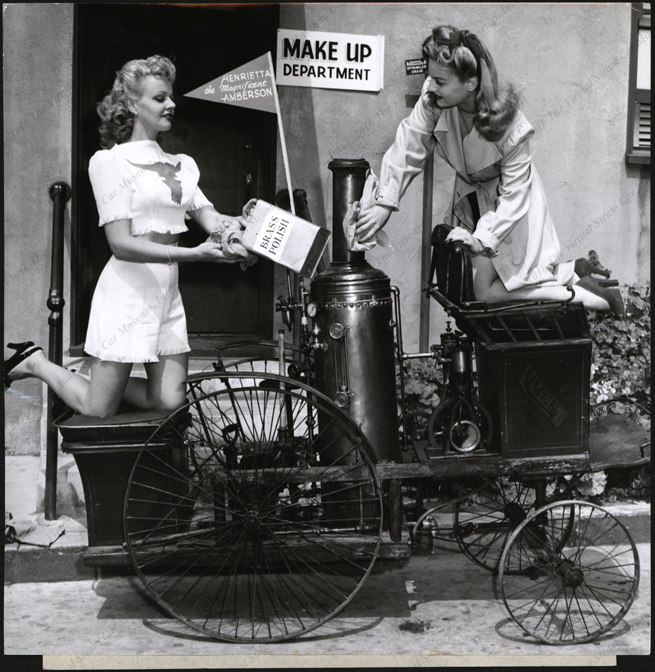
{"x":330,"y":60}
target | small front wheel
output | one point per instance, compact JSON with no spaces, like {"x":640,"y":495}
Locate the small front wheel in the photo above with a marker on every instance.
{"x":484,"y":521}
{"x":579,"y":582}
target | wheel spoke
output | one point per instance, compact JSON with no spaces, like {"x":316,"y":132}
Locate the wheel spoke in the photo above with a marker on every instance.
{"x":485,"y":520}
{"x":568,"y":616}
{"x":581,"y":611}
{"x":552,"y":610}
{"x":306,"y":602}
{"x":312,"y":567}
{"x":591,"y":607}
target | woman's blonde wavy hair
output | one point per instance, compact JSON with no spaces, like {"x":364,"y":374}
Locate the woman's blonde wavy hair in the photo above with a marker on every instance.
{"x":496,"y":107}
{"x":117,"y":121}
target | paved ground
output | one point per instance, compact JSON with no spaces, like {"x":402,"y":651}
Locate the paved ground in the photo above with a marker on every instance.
{"x":429,"y":605}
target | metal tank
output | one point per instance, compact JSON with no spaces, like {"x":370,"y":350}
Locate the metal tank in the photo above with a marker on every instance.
{"x":355,"y":316}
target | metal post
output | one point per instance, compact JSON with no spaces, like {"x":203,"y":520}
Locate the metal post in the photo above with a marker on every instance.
{"x":426,"y":250}
{"x":302,"y":210}
{"x":60,"y":193}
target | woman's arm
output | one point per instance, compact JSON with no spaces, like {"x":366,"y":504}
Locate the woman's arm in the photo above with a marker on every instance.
{"x":405,"y":159}
{"x":402,"y":162}
{"x":127,"y":247}
{"x":209,"y":219}
{"x":229,"y":230}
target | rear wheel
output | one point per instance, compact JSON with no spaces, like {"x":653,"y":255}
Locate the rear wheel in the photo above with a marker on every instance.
{"x":269,"y":521}
{"x":579,"y":584}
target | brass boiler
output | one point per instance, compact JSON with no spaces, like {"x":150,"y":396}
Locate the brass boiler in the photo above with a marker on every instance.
{"x":355,"y":315}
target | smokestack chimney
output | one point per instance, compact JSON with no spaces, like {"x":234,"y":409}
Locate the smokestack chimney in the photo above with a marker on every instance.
{"x":349,"y":177}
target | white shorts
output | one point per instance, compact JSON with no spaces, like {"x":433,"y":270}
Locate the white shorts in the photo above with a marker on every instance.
{"x":136,"y":313}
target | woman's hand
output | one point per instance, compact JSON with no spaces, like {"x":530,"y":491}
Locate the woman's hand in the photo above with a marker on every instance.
{"x":460,"y":235}
{"x":209,"y":251}
{"x":224,"y":223}
{"x":247,"y":209}
{"x":370,"y":221}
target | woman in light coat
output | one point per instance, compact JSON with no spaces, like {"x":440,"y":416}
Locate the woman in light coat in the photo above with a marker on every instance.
{"x":498,"y":205}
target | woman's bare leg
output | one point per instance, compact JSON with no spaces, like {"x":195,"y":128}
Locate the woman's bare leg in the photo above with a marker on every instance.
{"x":101,"y":396}
{"x":164,"y":388}
{"x":489,"y":287}
{"x":110,"y":383}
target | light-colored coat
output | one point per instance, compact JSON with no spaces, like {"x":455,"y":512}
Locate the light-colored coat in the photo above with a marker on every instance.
{"x":515,"y":226}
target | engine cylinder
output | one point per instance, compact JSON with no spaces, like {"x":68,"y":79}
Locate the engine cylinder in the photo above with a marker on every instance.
{"x":357,"y":370}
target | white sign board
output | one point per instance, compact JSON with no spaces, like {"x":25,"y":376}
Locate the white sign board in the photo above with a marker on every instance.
{"x":330,"y":60}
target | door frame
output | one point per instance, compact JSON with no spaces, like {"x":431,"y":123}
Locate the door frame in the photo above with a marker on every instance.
{"x":204,"y":344}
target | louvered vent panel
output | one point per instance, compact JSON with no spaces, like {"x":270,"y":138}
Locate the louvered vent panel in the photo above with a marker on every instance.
{"x":642,"y":125}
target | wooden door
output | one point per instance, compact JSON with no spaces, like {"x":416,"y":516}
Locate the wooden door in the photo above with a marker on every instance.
{"x":234,"y":148}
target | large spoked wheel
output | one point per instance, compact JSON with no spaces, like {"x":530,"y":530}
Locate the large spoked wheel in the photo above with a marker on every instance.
{"x":254,"y":513}
{"x":579,"y":584}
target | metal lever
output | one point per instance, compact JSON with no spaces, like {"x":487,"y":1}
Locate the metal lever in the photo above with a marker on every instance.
{"x":338,"y":333}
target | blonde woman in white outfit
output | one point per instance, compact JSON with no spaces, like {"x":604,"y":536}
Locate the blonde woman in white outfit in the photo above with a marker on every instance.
{"x":143,"y":195}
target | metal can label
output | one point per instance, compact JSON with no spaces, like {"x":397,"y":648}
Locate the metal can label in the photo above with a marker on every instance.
{"x":273,"y":235}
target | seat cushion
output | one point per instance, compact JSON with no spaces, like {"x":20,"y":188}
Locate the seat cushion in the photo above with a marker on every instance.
{"x":131,"y":427}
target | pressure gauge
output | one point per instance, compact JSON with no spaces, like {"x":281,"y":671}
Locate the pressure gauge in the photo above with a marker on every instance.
{"x":312,"y":309}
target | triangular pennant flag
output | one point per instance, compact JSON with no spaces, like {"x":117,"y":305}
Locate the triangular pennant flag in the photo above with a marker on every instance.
{"x":250,"y":85}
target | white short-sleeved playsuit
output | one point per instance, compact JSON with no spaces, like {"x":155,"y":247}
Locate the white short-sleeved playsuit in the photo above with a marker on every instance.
{"x":137,"y":312}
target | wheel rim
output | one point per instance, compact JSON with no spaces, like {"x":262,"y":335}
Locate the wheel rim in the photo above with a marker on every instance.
{"x":580,"y":584}
{"x":228,"y":529}
{"x":438,"y":426}
{"x":464,"y":436}
{"x":211,"y":381}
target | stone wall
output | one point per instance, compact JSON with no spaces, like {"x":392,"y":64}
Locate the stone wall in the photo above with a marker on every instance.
{"x":37,"y":101}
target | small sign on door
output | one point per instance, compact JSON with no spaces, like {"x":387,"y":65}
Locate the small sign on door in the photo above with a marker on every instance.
{"x":416,"y":66}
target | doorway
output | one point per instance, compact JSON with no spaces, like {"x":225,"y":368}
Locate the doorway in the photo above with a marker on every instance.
{"x":234,"y":148}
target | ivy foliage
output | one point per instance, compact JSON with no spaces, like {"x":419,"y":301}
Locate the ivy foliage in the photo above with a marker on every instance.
{"x":422,"y":384}
{"x":621,"y":356}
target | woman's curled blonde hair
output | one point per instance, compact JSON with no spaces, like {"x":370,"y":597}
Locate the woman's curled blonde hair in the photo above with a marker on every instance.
{"x":117,"y":121}
{"x":464,"y":54}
